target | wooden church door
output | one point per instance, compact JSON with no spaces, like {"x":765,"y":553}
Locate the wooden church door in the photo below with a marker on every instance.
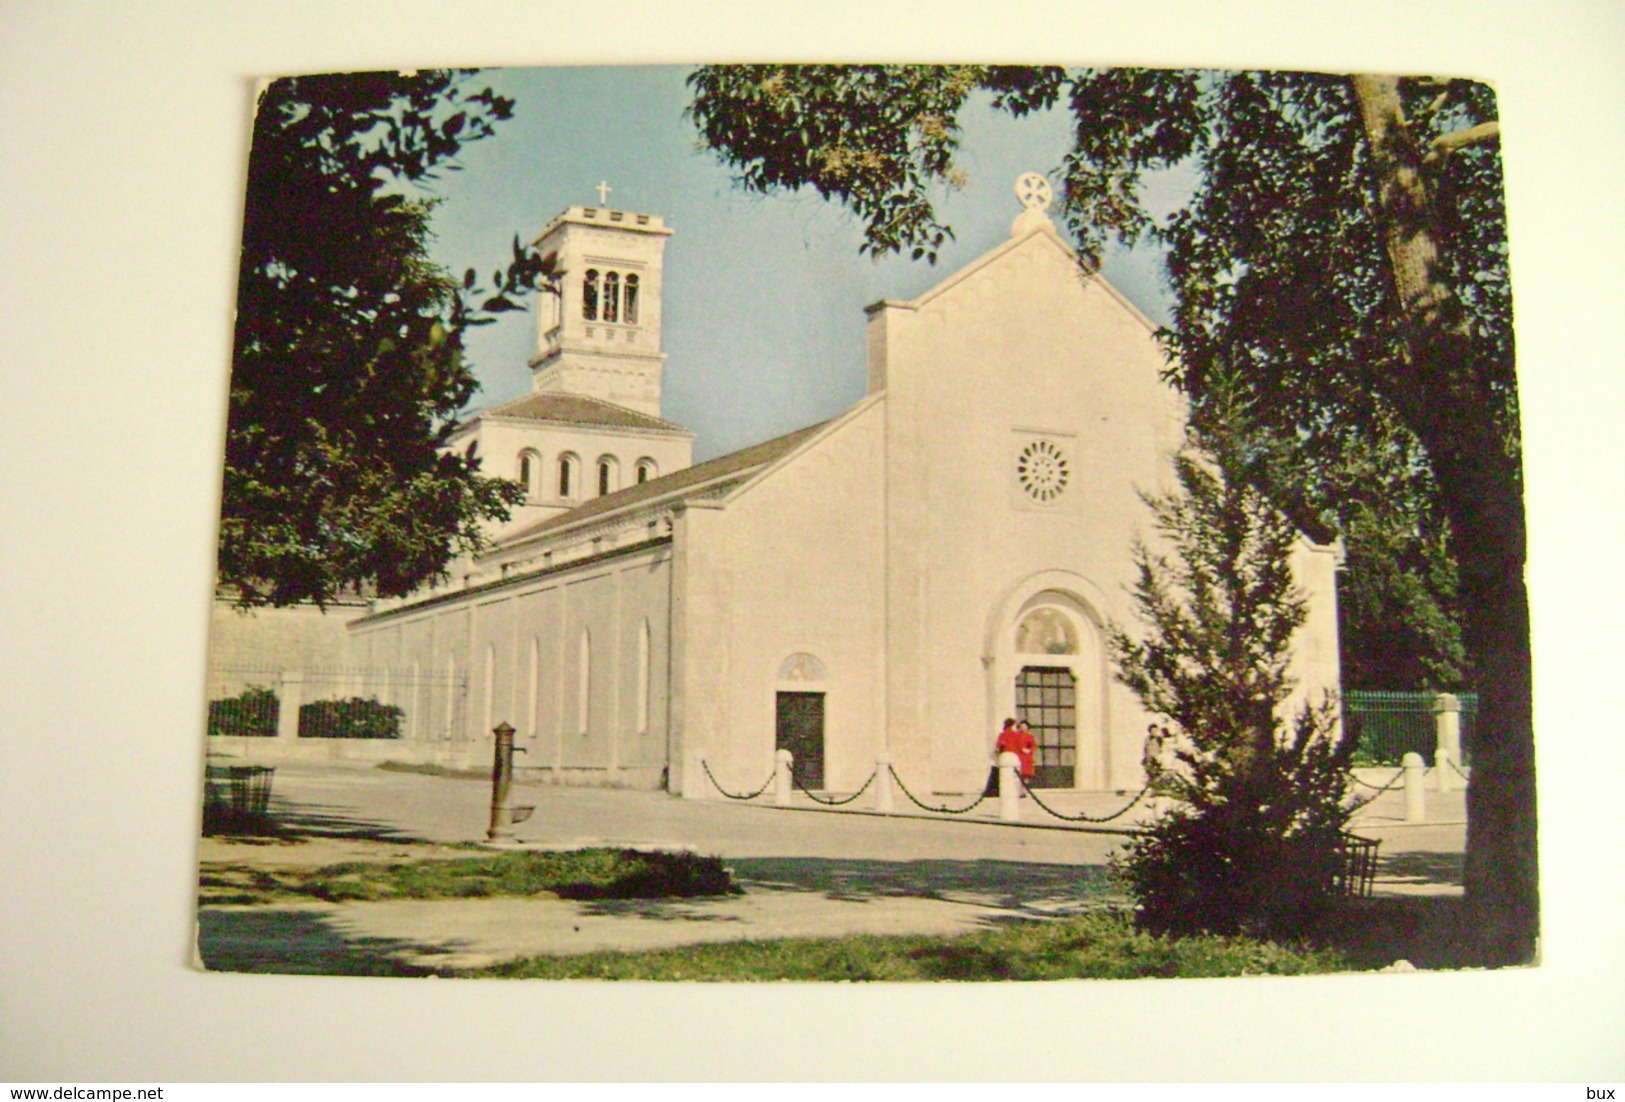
{"x":800,"y":729}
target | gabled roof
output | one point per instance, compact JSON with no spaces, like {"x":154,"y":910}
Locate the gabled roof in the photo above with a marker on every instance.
{"x":576,"y":409}
{"x":675,"y":486}
{"x":1047,"y":233}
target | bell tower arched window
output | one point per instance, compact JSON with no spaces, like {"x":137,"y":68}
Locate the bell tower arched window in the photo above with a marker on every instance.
{"x":589,"y":295}
{"x":612,"y":296}
{"x":630,"y":313}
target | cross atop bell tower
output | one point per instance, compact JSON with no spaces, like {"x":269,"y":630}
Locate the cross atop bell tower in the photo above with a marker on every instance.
{"x":600,"y":335}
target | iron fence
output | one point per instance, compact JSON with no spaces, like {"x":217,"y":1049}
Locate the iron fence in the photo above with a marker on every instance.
{"x":1389,"y":725}
{"x":339,"y":702}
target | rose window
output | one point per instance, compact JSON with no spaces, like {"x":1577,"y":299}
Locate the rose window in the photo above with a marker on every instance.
{"x":1042,"y":471}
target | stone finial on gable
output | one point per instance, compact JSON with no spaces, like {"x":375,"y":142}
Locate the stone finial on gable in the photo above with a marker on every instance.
{"x":1034,"y":192}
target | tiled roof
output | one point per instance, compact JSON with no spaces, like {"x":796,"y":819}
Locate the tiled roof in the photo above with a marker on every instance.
{"x":575,"y":409}
{"x":700,"y":475}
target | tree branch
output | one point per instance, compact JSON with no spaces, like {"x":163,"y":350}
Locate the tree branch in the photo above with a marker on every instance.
{"x":1446,"y":144}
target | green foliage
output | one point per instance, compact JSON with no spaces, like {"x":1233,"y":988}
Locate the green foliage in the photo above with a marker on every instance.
{"x":572,"y":874}
{"x":356,"y":717}
{"x":348,"y":361}
{"x":1251,"y":846}
{"x":597,"y":873}
{"x":252,"y":713}
{"x":1095,"y":946}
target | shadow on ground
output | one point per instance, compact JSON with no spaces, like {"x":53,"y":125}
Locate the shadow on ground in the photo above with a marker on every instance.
{"x":1041,"y":889}
{"x":288,"y":823}
{"x":656,"y":910}
{"x":302,"y":942}
{"x":1423,"y":868}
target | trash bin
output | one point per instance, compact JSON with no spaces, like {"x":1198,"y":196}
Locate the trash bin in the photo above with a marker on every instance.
{"x":1359,"y":866}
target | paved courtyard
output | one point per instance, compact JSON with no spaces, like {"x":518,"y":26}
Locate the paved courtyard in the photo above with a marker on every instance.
{"x":807,"y":871}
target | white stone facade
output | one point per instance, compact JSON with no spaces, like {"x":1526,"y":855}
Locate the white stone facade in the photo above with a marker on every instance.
{"x":895,"y":581}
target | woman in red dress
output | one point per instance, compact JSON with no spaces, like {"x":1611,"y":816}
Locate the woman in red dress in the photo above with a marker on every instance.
{"x":1018,"y":739}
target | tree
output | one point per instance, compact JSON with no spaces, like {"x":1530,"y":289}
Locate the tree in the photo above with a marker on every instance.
{"x":347,"y":368}
{"x":1254,"y":841}
{"x":1342,"y":258}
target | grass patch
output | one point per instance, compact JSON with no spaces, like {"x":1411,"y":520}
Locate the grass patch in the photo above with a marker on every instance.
{"x":1096,"y":946}
{"x":574,"y":874}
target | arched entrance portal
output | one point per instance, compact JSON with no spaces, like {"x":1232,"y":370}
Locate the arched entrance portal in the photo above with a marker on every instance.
{"x":1047,"y":692}
{"x":1049,"y":669}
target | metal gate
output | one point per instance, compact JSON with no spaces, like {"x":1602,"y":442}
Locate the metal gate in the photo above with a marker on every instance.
{"x":1047,"y":698}
{"x":799,"y":728}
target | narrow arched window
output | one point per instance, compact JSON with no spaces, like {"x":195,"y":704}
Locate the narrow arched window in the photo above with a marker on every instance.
{"x":612,"y":296}
{"x":630,"y":314}
{"x":647,"y":470}
{"x":490,"y":687}
{"x":607,"y":475}
{"x":453,"y":699}
{"x":643,"y":677}
{"x":567,"y":475}
{"x":589,"y":295}
{"x":584,"y":683}
{"x":533,"y":713}
{"x":529,"y":468}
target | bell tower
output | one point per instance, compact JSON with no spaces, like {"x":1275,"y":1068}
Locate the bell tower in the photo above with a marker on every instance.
{"x":600,"y":335}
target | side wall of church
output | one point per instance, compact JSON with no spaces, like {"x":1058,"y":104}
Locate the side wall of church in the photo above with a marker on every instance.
{"x":575,"y":660}
{"x":791,"y":567}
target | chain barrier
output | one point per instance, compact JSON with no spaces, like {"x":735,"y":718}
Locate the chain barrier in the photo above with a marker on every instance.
{"x":928,"y":807}
{"x":705,"y":765}
{"x":1457,"y":770}
{"x":1084,"y":818}
{"x":1395,"y":779}
{"x":832,"y":802}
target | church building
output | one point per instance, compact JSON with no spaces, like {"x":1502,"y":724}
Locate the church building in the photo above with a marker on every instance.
{"x":892,"y":582}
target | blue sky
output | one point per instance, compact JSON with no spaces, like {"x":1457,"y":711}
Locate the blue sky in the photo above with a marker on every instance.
{"x":764,"y":296}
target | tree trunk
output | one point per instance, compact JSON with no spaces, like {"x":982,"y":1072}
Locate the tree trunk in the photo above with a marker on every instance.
{"x":1443,"y":391}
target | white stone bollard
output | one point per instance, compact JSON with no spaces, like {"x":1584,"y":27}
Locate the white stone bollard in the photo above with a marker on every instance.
{"x":695,"y":784}
{"x":1009,"y":789}
{"x":1415,"y":798}
{"x":1447,"y":728}
{"x":781,"y":777}
{"x":883,"y":794}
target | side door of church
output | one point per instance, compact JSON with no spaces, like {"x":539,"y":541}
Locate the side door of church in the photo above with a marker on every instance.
{"x":799,"y":728}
